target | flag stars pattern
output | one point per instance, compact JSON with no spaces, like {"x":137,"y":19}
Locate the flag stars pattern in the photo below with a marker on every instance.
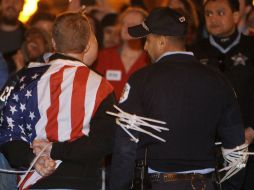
{"x":35,"y":76}
{"x":10,"y":122}
{"x":22,"y":87}
{"x":13,"y":109}
{"x":20,"y":115}
{"x":22,"y":107}
{"x":31,"y":115}
{"x":21,"y":129}
{"x":28,"y":126}
{"x":22,"y":79}
{"x":28,"y":93}
{"x":15,"y":97}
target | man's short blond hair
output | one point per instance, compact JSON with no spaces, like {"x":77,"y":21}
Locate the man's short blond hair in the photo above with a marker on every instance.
{"x":71,"y":32}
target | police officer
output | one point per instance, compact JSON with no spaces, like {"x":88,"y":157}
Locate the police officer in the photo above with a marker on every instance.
{"x":196,"y":102}
{"x":232,"y":53}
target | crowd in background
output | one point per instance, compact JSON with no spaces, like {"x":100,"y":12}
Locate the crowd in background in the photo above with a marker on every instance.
{"x":21,"y":43}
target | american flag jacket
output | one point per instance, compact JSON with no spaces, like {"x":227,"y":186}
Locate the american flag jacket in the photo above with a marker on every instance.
{"x":54,"y":101}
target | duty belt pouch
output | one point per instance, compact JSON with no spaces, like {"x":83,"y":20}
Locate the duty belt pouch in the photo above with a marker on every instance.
{"x":141,"y":179}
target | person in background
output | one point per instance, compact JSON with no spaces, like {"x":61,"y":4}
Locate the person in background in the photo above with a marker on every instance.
{"x":37,"y":43}
{"x":3,"y":71}
{"x":244,"y":9}
{"x":42,"y":20}
{"x":111,"y":36}
{"x":118,"y":63}
{"x":189,"y":10}
{"x":250,"y":23}
{"x":232,"y":53}
{"x":96,"y":9}
{"x":195,"y":103}
{"x":11,"y":29}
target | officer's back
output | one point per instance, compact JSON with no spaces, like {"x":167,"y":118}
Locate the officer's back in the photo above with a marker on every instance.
{"x":195,"y":102}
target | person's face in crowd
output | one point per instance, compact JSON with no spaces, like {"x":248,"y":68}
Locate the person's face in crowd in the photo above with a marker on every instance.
{"x":45,"y":25}
{"x":130,"y":19}
{"x":152,"y":46}
{"x":220,"y":19}
{"x":10,"y":10}
{"x":111,"y":36}
{"x":35,"y":46}
{"x":176,"y":4}
{"x":91,"y":52}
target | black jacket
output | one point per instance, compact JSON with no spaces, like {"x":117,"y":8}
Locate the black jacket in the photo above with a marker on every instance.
{"x":195,"y":102}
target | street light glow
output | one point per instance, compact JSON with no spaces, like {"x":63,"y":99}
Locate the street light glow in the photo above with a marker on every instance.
{"x":30,"y":7}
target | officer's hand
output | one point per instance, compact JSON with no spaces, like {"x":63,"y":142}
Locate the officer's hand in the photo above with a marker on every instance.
{"x":249,"y":135}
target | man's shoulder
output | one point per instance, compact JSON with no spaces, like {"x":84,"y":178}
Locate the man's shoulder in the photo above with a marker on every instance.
{"x":142,"y":72}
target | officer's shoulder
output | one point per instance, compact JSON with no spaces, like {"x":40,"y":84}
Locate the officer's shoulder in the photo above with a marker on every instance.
{"x":142,"y":73}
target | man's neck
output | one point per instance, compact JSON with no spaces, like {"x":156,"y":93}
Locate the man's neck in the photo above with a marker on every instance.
{"x":226,"y":40}
{"x":78,"y":56}
{"x":174,"y":49}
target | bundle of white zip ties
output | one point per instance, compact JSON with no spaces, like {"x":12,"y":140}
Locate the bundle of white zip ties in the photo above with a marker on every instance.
{"x":131,"y":121}
{"x":235,"y":160}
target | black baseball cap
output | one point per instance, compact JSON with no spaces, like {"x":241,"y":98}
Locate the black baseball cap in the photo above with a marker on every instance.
{"x":162,"y":21}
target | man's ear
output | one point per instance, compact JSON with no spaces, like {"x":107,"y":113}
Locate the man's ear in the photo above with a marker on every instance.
{"x":53,"y":44}
{"x":162,"y":42}
{"x":236,"y":16}
{"x":87,"y":46}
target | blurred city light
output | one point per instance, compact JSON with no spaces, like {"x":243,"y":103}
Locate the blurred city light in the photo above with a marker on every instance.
{"x":30,"y":7}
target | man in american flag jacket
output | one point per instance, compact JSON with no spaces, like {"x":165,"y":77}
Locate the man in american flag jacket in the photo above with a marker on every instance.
{"x":62,"y":103}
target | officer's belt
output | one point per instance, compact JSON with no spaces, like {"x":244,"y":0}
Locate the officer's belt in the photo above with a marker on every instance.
{"x":170,"y":177}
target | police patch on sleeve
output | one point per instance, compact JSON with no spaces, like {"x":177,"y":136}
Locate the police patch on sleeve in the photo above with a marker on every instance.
{"x":125,"y":93}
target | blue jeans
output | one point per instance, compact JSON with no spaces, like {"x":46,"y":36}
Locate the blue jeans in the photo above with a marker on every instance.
{"x":7,"y":181}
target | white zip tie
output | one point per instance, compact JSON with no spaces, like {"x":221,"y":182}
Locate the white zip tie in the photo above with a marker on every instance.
{"x":128,"y":121}
{"x":236,"y":159}
{"x":32,"y":164}
{"x":123,"y":127}
{"x":9,"y":171}
{"x":142,"y":118}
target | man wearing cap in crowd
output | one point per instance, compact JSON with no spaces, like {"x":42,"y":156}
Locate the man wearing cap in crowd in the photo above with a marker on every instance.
{"x":194,"y":101}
